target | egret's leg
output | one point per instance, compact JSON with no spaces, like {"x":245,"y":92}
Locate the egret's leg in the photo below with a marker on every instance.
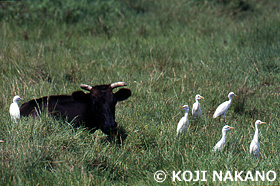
{"x":224,"y":115}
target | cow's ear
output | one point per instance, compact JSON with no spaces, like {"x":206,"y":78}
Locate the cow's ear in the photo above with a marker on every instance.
{"x":123,"y":94}
{"x":80,"y":96}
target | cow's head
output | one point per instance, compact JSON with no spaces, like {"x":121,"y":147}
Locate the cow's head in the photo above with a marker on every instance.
{"x":103,"y":103}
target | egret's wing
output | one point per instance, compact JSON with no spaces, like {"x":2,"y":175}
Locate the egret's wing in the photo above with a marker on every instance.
{"x":254,"y":147}
{"x":195,"y":106}
{"x":14,"y":111}
{"x":217,"y":146}
{"x":195,"y":109}
{"x":181,"y":123}
{"x":221,"y":109}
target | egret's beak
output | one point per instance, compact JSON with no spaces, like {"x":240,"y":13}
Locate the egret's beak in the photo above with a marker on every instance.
{"x":183,"y":107}
{"x":21,"y":99}
{"x":231,"y":128}
{"x":263,"y":122}
{"x":201,"y":97}
{"x":235,"y":95}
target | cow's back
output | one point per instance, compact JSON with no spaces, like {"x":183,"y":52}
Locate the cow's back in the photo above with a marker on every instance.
{"x":60,"y":105}
{"x":33,"y":107}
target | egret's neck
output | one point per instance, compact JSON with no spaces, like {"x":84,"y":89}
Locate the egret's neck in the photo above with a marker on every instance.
{"x":196,"y":100}
{"x":15,"y":101}
{"x":224,"y":135}
{"x":256,"y":136}
{"x":186,"y":112}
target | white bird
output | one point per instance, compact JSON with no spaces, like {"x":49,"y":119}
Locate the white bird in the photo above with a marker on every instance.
{"x":184,"y":122}
{"x":14,"y":109}
{"x":219,"y":146}
{"x":222,"y":108}
{"x":255,"y":145}
{"x":196,"y":110}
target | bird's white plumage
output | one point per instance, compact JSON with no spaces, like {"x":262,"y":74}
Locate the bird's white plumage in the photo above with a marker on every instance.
{"x":14,"y":109}
{"x":222,"y":108}
{"x":196,"y":110}
{"x":255,"y":145}
{"x":184,"y":122}
{"x":219,"y":146}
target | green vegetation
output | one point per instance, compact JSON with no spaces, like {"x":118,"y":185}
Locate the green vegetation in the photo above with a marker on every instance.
{"x":167,"y":52}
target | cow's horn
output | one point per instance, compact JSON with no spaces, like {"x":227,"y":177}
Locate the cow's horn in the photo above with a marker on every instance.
{"x":86,"y":87}
{"x":118,"y":84}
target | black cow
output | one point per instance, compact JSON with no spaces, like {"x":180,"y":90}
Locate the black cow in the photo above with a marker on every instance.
{"x":96,"y":109}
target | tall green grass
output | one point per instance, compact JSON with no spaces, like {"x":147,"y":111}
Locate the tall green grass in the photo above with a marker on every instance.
{"x":167,"y":52}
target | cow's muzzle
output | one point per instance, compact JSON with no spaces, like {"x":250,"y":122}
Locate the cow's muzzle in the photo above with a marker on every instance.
{"x":116,"y":133}
{"x":112,"y":131}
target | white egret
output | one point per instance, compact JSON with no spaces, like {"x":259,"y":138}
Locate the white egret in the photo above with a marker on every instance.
{"x":14,"y":109}
{"x":184,"y":122}
{"x":196,"y":110}
{"x":222,"y":108}
{"x":255,"y":145}
{"x":219,"y":146}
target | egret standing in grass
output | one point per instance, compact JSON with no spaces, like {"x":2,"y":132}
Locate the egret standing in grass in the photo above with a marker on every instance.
{"x":255,"y":145}
{"x":219,"y":146}
{"x":196,"y":110}
{"x":222,"y":108}
{"x":184,"y":122}
{"x":14,"y":109}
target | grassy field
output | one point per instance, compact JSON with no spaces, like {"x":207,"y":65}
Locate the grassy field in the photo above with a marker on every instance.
{"x":167,"y":52}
